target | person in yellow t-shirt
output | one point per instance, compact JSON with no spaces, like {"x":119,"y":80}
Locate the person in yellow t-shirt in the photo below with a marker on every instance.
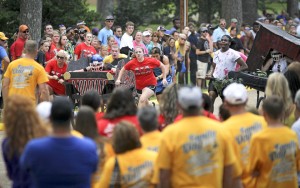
{"x":241,"y":125}
{"x":274,"y":152}
{"x":151,"y":138}
{"x":115,"y":55}
{"x":132,"y":166}
{"x":194,"y":151}
{"x":24,"y":75}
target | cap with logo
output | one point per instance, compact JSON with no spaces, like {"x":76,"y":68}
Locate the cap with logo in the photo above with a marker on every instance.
{"x":190,"y":97}
{"x":235,"y":94}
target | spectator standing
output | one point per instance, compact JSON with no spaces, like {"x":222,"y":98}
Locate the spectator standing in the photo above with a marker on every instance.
{"x":106,"y":31}
{"x":176,"y":25}
{"x":85,"y":49}
{"x":17,"y":47}
{"x":118,"y":34}
{"x":138,"y":42}
{"x":127,"y":39}
{"x":44,"y":48}
{"x":60,"y":160}
{"x":219,"y":32}
{"x":3,"y":53}
{"x":274,"y":160}
{"x":151,"y":138}
{"x":114,"y":56}
{"x":22,"y":124}
{"x":53,"y":47}
{"x":193,"y":39}
{"x":132,"y":166}
{"x":147,"y":40}
{"x":24,"y":75}
{"x":48,"y":30}
{"x":203,"y":51}
{"x":197,"y":156}
{"x":241,"y":125}
{"x":62,"y":29}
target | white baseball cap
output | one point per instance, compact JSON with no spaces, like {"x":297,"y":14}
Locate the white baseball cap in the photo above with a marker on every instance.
{"x":235,"y":94}
{"x":190,"y":97}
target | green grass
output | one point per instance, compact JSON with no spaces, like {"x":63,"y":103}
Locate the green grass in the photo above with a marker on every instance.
{"x":93,"y":7}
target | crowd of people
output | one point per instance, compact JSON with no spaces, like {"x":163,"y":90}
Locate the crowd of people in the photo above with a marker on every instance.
{"x":180,"y":142}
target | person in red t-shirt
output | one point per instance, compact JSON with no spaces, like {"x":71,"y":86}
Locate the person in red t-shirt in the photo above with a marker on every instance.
{"x":144,"y":76}
{"x":55,"y":69}
{"x":121,"y":106}
{"x":85,"y":49}
{"x":50,"y":55}
{"x":17,"y":47}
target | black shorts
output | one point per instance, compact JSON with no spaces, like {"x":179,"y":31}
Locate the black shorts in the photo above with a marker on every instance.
{"x":152,"y":87}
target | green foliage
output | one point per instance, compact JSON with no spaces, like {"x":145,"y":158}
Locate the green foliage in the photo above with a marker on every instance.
{"x":221,"y":84}
{"x":55,"y":12}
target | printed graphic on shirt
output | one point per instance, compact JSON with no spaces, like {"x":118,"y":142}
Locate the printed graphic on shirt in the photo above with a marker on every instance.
{"x":243,"y":139}
{"x":142,"y":70}
{"x":283,"y":158}
{"x":138,"y":176}
{"x":86,"y":53}
{"x":21,"y":76}
{"x":201,"y":148}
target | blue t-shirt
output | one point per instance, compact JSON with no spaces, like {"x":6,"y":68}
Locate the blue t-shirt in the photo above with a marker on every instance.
{"x":60,"y":162}
{"x":103,"y":34}
{"x":3,"y":54}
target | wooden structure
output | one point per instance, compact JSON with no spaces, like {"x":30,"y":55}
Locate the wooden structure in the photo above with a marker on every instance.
{"x":270,"y":37}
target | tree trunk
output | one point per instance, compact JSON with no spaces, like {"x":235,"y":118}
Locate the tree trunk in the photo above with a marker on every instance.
{"x":31,"y":15}
{"x":292,"y":7}
{"x":250,"y":14}
{"x":232,"y":9}
{"x":105,"y":7}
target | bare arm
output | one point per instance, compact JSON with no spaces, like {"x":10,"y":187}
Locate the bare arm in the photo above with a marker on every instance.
{"x":6,"y":61}
{"x":163,"y":69}
{"x":164,"y":178}
{"x":43,"y":91}
{"x":267,"y":65}
{"x":228,"y":176}
{"x":5,"y":88}
{"x":118,"y":81}
{"x":75,"y":57}
{"x":243,"y":65}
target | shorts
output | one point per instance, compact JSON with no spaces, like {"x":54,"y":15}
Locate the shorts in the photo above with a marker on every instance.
{"x":181,"y":66}
{"x":211,"y":87}
{"x":152,"y":87}
{"x":201,"y":69}
{"x":160,"y":87}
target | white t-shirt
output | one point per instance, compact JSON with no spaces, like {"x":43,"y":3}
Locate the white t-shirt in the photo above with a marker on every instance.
{"x":126,"y":40}
{"x":225,"y":62}
{"x":282,"y":65}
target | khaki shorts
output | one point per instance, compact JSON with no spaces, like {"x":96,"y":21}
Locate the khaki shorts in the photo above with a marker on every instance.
{"x":201,"y":69}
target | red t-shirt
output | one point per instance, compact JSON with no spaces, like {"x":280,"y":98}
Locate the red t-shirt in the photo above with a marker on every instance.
{"x":143,"y":71}
{"x":51,"y":53}
{"x":53,"y":69}
{"x":106,"y":126}
{"x":84,"y":50}
{"x":16,"y":48}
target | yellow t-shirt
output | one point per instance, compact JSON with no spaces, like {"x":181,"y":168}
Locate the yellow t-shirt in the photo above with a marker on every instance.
{"x":274,"y":153}
{"x":136,"y":168}
{"x":241,"y":128}
{"x":196,"y":151}
{"x":151,"y":141}
{"x":109,"y":59}
{"x":24,"y":75}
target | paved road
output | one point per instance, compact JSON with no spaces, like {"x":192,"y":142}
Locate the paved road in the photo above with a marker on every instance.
{"x":5,"y":183}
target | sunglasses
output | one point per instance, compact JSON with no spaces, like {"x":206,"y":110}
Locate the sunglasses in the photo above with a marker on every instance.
{"x":224,"y":40}
{"x":204,"y":31}
{"x":109,"y":20}
{"x":25,"y":31}
{"x":60,"y":57}
{"x":183,"y":39}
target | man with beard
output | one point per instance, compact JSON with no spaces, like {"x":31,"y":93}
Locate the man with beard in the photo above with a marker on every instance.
{"x":85,"y":49}
{"x":17,"y":47}
{"x":224,"y":61}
